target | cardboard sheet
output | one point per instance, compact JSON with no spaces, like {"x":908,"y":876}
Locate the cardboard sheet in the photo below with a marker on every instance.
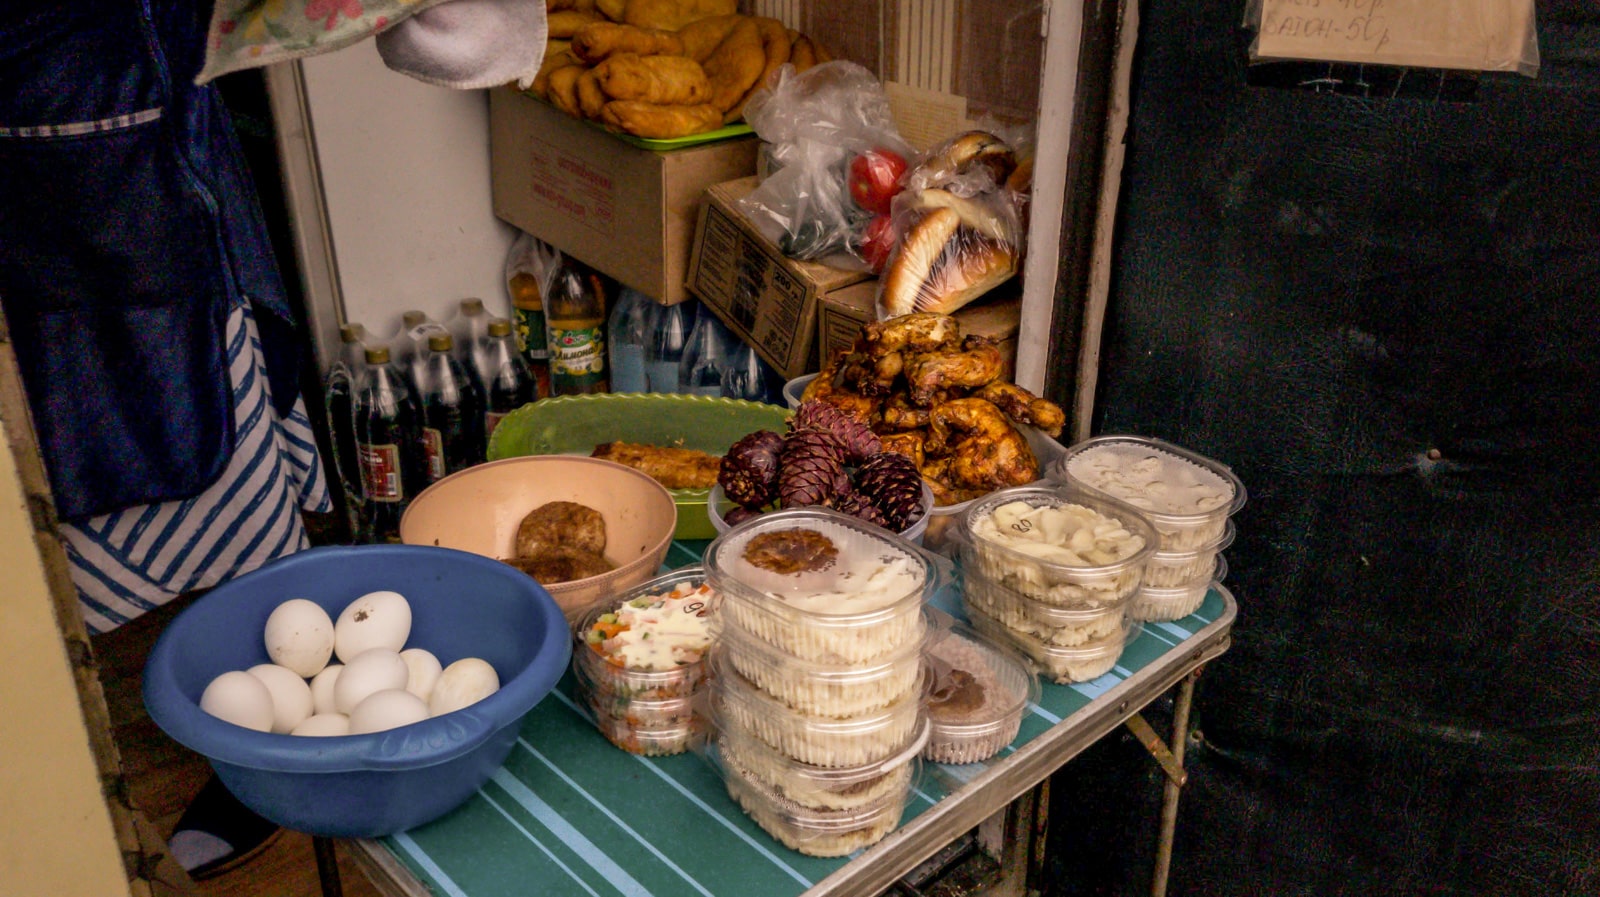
{"x":1482,"y":35}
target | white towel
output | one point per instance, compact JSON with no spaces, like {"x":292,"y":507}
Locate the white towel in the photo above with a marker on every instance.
{"x":469,"y":44}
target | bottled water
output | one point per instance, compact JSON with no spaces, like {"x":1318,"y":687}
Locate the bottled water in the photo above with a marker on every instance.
{"x":749,"y":377}
{"x":669,"y":327}
{"x":705,"y":356}
{"x":627,"y":330}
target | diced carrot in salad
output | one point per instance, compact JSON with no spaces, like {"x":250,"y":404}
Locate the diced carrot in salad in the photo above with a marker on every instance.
{"x":655,"y":632}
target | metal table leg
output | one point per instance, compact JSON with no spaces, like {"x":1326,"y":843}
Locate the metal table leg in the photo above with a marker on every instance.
{"x":327,"y":866}
{"x":1173,"y":786}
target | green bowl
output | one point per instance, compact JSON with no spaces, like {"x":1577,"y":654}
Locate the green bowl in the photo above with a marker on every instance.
{"x":574,"y":425}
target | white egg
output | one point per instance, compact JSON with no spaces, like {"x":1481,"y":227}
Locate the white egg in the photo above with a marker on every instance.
{"x":324,"y":725}
{"x":291,"y":696}
{"x":239,"y":698}
{"x":465,"y":682}
{"x":322,"y":689}
{"x":299,"y":635}
{"x":424,"y":669}
{"x":375,"y":620}
{"x":377,"y":669}
{"x":387,"y":709}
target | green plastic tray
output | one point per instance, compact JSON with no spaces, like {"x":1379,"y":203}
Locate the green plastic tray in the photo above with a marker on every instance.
{"x":574,"y":425}
{"x":737,"y":129}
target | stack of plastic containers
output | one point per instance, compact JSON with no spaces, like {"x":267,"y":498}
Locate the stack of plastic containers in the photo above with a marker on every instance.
{"x":978,"y":690}
{"x":816,"y":694}
{"x":1053,"y":571}
{"x":639,"y":661}
{"x":1186,"y":497}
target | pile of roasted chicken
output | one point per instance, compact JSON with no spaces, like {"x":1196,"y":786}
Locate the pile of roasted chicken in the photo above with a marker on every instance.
{"x":938,"y":397}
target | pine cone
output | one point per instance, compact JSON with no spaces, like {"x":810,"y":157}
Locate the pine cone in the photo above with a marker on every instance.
{"x":892,"y":483}
{"x":749,"y":473}
{"x":737,"y":516}
{"x":808,"y":467}
{"x":859,"y":506}
{"x":859,"y":441}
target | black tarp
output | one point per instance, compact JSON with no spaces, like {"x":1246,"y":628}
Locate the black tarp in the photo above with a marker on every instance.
{"x":1384,"y":313}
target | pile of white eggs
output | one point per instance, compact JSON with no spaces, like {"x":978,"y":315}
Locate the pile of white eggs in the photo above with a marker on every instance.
{"x":377,"y":683}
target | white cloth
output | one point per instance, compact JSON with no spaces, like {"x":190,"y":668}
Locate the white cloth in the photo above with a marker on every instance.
{"x":136,"y":559}
{"x":469,"y":44}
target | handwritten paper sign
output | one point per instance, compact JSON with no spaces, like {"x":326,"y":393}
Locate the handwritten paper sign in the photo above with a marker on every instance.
{"x":1484,"y":35}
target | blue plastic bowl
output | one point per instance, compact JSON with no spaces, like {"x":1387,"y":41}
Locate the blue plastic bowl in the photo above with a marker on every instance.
{"x":359,"y":786}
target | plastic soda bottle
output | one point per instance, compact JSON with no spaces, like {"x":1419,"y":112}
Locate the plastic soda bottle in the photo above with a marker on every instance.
{"x":667,"y":335}
{"x":575,"y":325}
{"x":626,"y":331}
{"x":749,"y":377}
{"x":452,"y":412}
{"x":389,"y":445}
{"x":527,"y":308}
{"x":705,"y":356}
{"x":510,"y":384}
{"x":345,"y":378}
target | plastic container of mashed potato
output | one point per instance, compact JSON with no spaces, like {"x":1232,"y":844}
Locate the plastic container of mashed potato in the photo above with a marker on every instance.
{"x":1063,"y":665}
{"x":823,"y":689}
{"x":738,"y":705}
{"x":1057,"y":545}
{"x":1187,"y":497}
{"x":1049,"y":623}
{"x":1169,"y":569}
{"x":1154,"y":604}
{"x":822,"y":586}
{"x":613,"y":674}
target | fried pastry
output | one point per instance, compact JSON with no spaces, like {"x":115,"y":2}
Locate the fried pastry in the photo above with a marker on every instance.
{"x":564,"y":24}
{"x":661,"y":122}
{"x":735,"y":65}
{"x":596,"y":41}
{"x":561,"y":524}
{"x":591,"y":98}
{"x":668,"y":80}
{"x":776,"y":47}
{"x":562,"y":89}
{"x":556,"y":55}
{"x":701,"y":37}
{"x":670,"y":15}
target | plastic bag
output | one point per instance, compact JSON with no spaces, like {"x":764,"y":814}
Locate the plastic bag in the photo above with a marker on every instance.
{"x":956,"y":227}
{"x":816,"y":125}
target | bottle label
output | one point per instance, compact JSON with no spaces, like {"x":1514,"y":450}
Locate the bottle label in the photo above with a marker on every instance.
{"x":530,"y":329}
{"x":578,"y":351}
{"x":491,"y":419}
{"x":433,"y":450}
{"x":380,"y":471}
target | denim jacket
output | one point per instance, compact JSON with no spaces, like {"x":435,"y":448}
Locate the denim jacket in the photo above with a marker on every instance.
{"x":129,"y":229}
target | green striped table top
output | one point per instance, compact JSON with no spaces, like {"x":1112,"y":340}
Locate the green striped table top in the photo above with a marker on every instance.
{"x":569,"y":814}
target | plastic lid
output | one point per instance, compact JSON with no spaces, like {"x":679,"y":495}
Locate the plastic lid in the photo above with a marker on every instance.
{"x":639,"y":678}
{"x":377,"y":355}
{"x":1098,"y":537}
{"x":471,"y":306}
{"x":499,"y":327}
{"x":352,"y":333}
{"x":974,"y":682}
{"x":440,"y":342}
{"x":1162,"y":480}
{"x":818,"y":562}
{"x":412,"y":318}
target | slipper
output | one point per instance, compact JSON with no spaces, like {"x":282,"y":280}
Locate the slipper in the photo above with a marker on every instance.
{"x":216,"y":833}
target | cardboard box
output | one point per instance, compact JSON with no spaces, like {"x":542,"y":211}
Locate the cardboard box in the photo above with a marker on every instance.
{"x":767,"y":298}
{"x":842,"y":313}
{"x":627,"y":211}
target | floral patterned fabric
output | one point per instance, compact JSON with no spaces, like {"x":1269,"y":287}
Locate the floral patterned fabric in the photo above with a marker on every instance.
{"x":250,"y":33}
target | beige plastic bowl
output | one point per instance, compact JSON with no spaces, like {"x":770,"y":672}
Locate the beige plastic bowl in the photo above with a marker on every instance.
{"x":480,"y":508}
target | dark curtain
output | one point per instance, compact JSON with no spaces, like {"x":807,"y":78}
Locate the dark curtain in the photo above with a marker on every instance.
{"x":1383,"y":311}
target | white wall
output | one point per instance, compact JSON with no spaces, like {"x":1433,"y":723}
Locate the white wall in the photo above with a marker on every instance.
{"x":403,"y":169}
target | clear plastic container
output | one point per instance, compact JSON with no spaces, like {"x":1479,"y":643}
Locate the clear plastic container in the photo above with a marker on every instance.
{"x":741,"y":707}
{"x":642,"y":713}
{"x":1049,"y":623}
{"x":822,"y":787}
{"x":1062,"y":665}
{"x":608,"y":676}
{"x":1103,"y":567}
{"x":823,"y":587}
{"x":1187,"y":497}
{"x":1154,"y":605}
{"x":809,"y":830}
{"x":1168,"y":569}
{"x":718,"y":504}
{"x":823,"y":689}
{"x":645,"y":741}
{"x":977,"y":692}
